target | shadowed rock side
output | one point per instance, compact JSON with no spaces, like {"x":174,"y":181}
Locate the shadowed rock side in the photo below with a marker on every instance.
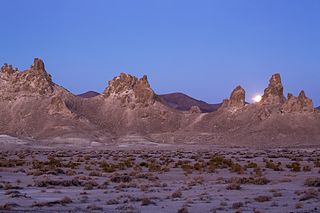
{"x":184,"y":102}
{"x":31,"y":105}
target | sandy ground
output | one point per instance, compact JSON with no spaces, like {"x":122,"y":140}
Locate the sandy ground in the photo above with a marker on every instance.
{"x":149,"y":177}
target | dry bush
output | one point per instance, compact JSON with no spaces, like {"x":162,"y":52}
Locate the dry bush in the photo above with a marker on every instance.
{"x":312,"y":182}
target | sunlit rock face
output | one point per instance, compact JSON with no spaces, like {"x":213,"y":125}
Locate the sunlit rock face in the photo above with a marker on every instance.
{"x":33,"y":81}
{"x":129,"y":89}
{"x":273,"y":94}
{"x":237,"y":98}
{"x":298,"y":104}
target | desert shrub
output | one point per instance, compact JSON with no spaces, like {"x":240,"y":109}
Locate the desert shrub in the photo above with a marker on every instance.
{"x":8,"y":206}
{"x":316,"y":163}
{"x":309,"y":194}
{"x":112,"y":202}
{"x":177,"y":194}
{"x":66,"y":200}
{"x":187,"y":168}
{"x":11,"y":163}
{"x":258,"y":171}
{"x":153,"y":167}
{"x":271,"y":165}
{"x":251,"y":165}
{"x":234,"y":186}
{"x":295,"y":167}
{"x":306,"y":168}
{"x":237,"y":205}
{"x":236,"y":168}
{"x":107,"y":167}
{"x":146,"y":201}
{"x":262,"y":198}
{"x":312,"y":182}
{"x":95,"y":173}
{"x":94,"y":207}
{"x":277,"y":194}
{"x":121,"y":178}
{"x":183,"y":210}
{"x":298,"y":205}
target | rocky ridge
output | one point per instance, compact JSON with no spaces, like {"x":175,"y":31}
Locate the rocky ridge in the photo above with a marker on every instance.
{"x":31,"y":105}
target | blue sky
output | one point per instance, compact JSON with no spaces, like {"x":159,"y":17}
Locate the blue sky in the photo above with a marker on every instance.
{"x":203,"y":48}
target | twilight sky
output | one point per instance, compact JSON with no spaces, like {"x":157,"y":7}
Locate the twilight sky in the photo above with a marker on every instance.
{"x":203,"y":48}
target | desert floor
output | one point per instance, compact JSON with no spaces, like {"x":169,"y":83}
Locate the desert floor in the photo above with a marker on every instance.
{"x":156,"y":178}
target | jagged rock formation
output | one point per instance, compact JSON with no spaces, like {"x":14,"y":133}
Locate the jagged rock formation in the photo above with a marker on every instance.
{"x":31,"y":105}
{"x":297,"y":104}
{"x":237,"y":98}
{"x":129,"y":89}
{"x":273,"y":94}
{"x":33,"y":81}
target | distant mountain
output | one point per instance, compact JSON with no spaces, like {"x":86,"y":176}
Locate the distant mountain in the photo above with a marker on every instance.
{"x":318,"y":107}
{"x":89,"y":94}
{"x":184,"y":102}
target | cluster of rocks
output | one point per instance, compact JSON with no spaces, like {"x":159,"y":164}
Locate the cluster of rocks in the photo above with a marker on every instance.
{"x":131,"y":90}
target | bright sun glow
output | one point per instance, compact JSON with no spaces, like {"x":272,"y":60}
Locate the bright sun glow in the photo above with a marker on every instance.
{"x":257,"y":98}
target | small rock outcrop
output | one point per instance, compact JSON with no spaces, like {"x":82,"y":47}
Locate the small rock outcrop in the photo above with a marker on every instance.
{"x":273,"y":94}
{"x":298,"y":104}
{"x":130,"y":89}
{"x":195,"y":109}
{"x":237,"y":98}
{"x":35,"y":80}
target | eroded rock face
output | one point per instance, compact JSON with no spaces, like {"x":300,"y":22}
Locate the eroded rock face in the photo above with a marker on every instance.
{"x":195,"y":109}
{"x":237,"y":98}
{"x":273,"y":94}
{"x":33,"y":81}
{"x":298,"y":104}
{"x":129,"y":89}
{"x":58,"y":106}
